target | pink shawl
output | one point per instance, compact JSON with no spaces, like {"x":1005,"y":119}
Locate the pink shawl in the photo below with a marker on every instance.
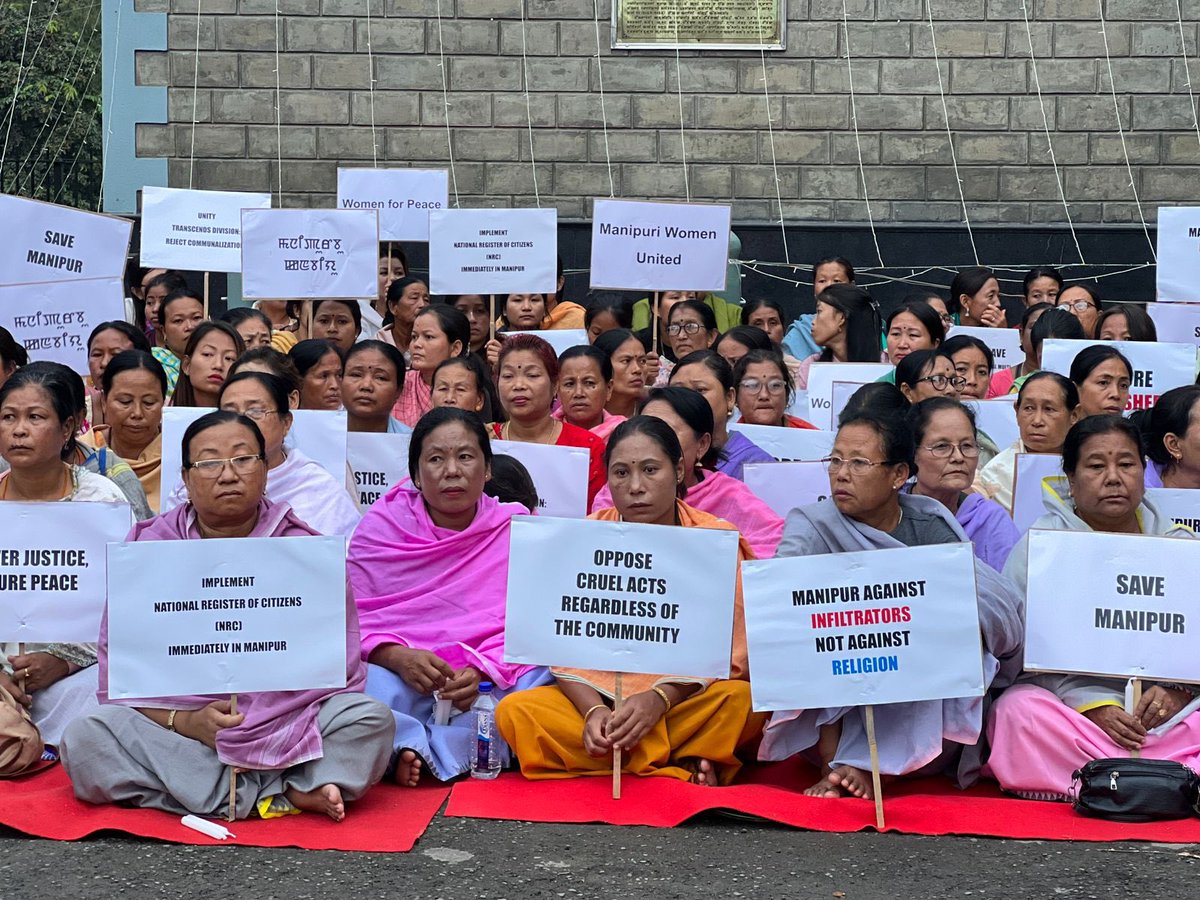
{"x":727,"y":498}
{"x":280,"y":729}
{"x":430,"y":588}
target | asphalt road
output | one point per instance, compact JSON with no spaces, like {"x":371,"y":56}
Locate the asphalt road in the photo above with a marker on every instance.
{"x":461,"y":859}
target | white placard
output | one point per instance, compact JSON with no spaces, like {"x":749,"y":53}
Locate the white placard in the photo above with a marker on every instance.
{"x":821,"y":377}
{"x":226,"y":616}
{"x":379,"y":463}
{"x":1180,"y":505}
{"x":1156,"y":367}
{"x":403,"y":197}
{"x":1125,"y":609}
{"x":1176,"y":323}
{"x":850,"y":629}
{"x":199,"y":230}
{"x":1179,"y":254}
{"x":785,"y":486}
{"x":842,"y":392}
{"x":493,"y":251}
{"x":643,"y":246}
{"x":1005,"y":343}
{"x":310,"y":253}
{"x":559,"y":340}
{"x":560,"y":475}
{"x":59,"y":243}
{"x":1031,"y":468}
{"x":997,"y":419}
{"x":788,"y":444}
{"x":319,"y":434}
{"x":52,"y":568}
{"x":53,"y":320}
{"x":621,"y":597}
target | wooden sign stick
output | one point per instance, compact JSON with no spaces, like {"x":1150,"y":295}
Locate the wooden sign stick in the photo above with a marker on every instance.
{"x":654,"y":326}
{"x":308,"y":316}
{"x":1136,"y":752}
{"x":491,"y":317}
{"x":232,"y":769}
{"x":876,"y":781}
{"x":21,"y":674}
{"x":206,"y":295}
{"x":617,"y":750}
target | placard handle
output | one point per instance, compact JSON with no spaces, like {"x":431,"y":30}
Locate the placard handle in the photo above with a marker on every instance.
{"x":876,"y":780}
{"x":616,"y":792}
{"x":232,"y":769}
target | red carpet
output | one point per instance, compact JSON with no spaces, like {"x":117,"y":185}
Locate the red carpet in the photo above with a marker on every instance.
{"x":388,"y":819}
{"x":928,"y":806}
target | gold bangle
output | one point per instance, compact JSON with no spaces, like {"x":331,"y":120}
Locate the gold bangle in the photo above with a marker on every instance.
{"x":665,"y":698}
{"x":171,"y":720}
{"x":587,"y":715}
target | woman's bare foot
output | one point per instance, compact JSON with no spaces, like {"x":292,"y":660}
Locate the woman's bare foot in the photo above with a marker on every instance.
{"x":824,"y":788}
{"x":705,"y":774}
{"x":408,"y":769}
{"x":325,"y":799}
{"x":853,"y":782}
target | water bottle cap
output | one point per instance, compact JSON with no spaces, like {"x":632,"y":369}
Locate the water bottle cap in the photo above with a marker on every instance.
{"x":485,"y":687}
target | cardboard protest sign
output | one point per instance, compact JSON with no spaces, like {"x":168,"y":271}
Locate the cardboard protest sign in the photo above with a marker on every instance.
{"x":187,"y":229}
{"x":379,"y":463}
{"x":640,"y":245}
{"x":52,"y":569}
{"x":310,"y":253}
{"x":821,"y":377}
{"x":1176,"y":323}
{"x":403,"y":197}
{"x":997,"y":419}
{"x":1124,"y":610}
{"x":621,"y":597}
{"x":560,"y":475}
{"x":1156,"y":367}
{"x":784,"y":486}
{"x":48,"y":242}
{"x":852,"y":629}
{"x":1180,"y":505}
{"x":1178,"y":254}
{"x":1005,"y":343}
{"x":493,"y":251}
{"x":52,"y":320}
{"x":1028,"y":505}
{"x":318,"y":434}
{"x":225,"y":616}
{"x":788,"y":444}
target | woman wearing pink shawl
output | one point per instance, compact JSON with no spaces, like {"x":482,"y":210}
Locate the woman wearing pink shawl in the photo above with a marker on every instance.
{"x":429,"y":568}
{"x":292,"y":750}
{"x":713,"y":492}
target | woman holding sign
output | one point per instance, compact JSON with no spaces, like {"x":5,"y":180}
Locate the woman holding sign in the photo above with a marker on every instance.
{"x":685,"y":728}
{"x":1047,"y":726}
{"x":429,"y":567}
{"x":311,"y":750}
{"x":38,"y":422}
{"x":873,"y":457}
{"x":528,"y":374}
{"x":439,"y":332}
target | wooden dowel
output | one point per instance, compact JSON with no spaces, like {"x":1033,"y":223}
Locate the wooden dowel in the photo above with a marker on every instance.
{"x":876,"y":781}
{"x":21,"y":674}
{"x":232,"y":769}
{"x":617,"y":750}
{"x":654,"y":325}
{"x":1136,"y":752}
{"x":206,"y":295}
{"x":491,"y":317}
{"x":308,"y":317}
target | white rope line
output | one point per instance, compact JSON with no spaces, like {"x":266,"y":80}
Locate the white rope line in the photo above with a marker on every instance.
{"x":862,"y":173}
{"x":1112,"y":87}
{"x":937,"y":65}
{"x":67,"y":133}
{"x":371,"y":90}
{"x":12,"y":109}
{"x":278,"y":111}
{"x":112,"y":97}
{"x":612,"y":192}
{"x":762,"y":53}
{"x":1037,"y":83}
{"x":687,"y":187}
{"x":528,"y":109}
{"x":195,"y":93}
{"x":1187,"y":68}
{"x":446,"y":100}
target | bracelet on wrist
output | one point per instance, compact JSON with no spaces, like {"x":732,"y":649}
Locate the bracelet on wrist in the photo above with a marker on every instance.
{"x":665,"y":699}
{"x":587,"y":715}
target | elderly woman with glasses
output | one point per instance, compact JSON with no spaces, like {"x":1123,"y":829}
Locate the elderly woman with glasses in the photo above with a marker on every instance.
{"x":873,"y":457}
{"x":764,"y":390}
{"x":1083,"y":303}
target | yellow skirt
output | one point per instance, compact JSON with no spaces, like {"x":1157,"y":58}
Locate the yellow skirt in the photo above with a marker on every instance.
{"x":545,"y":731}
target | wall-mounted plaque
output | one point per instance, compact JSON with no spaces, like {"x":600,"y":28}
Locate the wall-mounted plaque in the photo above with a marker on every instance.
{"x":699,"y":24}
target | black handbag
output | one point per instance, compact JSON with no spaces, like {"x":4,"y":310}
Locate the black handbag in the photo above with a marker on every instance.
{"x":1136,"y":790}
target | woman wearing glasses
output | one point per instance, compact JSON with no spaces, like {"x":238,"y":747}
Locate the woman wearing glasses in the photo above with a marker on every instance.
{"x":1083,"y":303}
{"x":948,"y":453}
{"x":764,"y":389}
{"x":872,"y":458}
{"x":928,"y":373}
{"x":691,"y":326}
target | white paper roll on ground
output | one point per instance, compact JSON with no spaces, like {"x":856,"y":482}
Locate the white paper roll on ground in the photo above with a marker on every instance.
{"x":212,"y":829}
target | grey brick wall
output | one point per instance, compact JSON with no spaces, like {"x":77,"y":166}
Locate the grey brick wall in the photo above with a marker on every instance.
{"x":325,"y":106}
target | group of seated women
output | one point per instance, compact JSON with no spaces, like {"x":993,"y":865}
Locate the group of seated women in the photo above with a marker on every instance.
{"x":427,"y":563}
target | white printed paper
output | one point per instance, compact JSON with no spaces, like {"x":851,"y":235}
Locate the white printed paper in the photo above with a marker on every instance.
{"x":198,"y":230}
{"x":493,"y":251}
{"x":403,"y":197}
{"x":53,"y":320}
{"x":47,"y":242}
{"x":310,"y":253}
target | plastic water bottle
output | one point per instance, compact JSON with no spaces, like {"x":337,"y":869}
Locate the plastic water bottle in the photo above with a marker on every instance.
{"x":488,"y":744}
